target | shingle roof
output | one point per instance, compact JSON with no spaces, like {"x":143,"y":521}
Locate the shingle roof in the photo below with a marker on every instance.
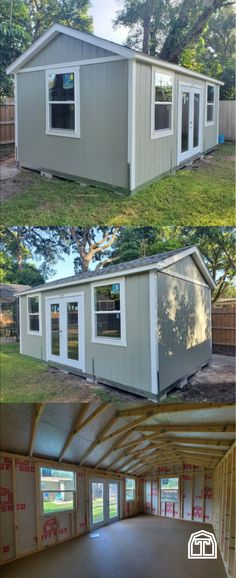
{"x":119,"y":268}
{"x":8,"y":291}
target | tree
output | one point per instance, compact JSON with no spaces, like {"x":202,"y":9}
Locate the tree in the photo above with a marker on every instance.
{"x":10,"y":273}
{"x":25,"y":243}
{"x":72,"y":13}
{"x":90,"y":245}
{"x":217,"y":245}
{"x":166,"y":28}
{"x":15,"y":37}
{"x":22,"y":21}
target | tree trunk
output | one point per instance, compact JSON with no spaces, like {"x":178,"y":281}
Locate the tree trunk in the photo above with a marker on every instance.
{"x":173,"y":48}
{"x":147,"y":26}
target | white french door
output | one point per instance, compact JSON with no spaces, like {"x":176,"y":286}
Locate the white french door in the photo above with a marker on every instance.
{"x":65,"y":330}
{"x":190,"y":122}
{"x":104,"y":502}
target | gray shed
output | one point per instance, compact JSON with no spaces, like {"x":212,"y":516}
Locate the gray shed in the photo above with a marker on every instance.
{"x":141,"y":326}
{"x":90,"y":109}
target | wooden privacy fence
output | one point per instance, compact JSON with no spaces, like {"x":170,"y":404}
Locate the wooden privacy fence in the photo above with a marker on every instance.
{"x":227,"y":119}
{"x":7,"y":123}
{"x":223,"y":326}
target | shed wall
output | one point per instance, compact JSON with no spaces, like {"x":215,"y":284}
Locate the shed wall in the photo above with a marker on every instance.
{"x":128,"y":366}
{"x":184,"y":327}
{"x":223,"y":517}
{"x":64,"y":48}
{"x":155,"y":157}
{"x":195,"y":494}
{"x":100,"y":154}
{"x":25,"y":528}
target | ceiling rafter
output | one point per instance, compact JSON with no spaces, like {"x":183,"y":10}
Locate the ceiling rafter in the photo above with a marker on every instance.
{"x":99,"y":439}
{"x":150,"y":410}
{"x":80,"y":424}
{"x":37,"y":416}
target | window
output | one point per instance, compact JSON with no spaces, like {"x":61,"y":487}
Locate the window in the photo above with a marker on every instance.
{"x":210,"y":105}
{"x":163,"y":104}
{"x":109,"y":312}
{"x":62,"y":92}
{"x":169,"y":489}
{"x":34,"y":309}
{"x":129,"y":489}
{"x":57,"y":490}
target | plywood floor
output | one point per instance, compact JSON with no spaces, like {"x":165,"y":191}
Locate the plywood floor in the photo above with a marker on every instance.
{"x":140,"y":547}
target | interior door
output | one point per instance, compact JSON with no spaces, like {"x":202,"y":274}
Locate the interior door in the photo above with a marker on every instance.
{"x":190,"y":122}
{"x":104,"y":503}
{"x":65,"y":331}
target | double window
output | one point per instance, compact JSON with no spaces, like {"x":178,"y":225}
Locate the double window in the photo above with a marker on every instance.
{"x":34,"y":314}
{"x":169,"y":489}
{"x":210,"y":104}
{"x":62,"y":96}
{"x":129,"y":489}
{"x":162,"y":106}
{"x":58,"y":489}
{"x":108,"y":312}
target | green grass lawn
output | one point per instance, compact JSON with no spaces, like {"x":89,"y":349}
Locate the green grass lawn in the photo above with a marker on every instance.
{"x":201,"y":196}
{"x":28,"y":380}
{"x":57,"y":506}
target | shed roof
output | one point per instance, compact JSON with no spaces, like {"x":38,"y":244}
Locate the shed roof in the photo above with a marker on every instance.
{"x":134,"y":439}
{"x":117,"y":49}
{"x":9,"y":292}
{"x":157,"y":262}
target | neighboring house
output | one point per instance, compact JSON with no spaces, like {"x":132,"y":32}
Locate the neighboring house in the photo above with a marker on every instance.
{"x":141,"y":326}
{"x":90,"y":109}
{"x":9,"y":308}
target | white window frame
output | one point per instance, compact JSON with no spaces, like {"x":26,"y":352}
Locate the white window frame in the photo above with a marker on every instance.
{"x":64,"y":132}
{"x":29,"y":331}
{"x":213,"y":104}
{"x":163,"y":477}
{"x":166,"y":131}
{"x":74,"y":492}
{"x":135,"y":489}
{"x":106,"y":340}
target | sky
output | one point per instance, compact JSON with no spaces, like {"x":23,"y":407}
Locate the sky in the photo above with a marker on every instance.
{"x":103,"y":13}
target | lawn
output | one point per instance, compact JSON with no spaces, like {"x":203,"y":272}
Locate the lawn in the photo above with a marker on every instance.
{"x":57,"y":506}
{"x":28,"y":380}
{"x":202,"y":195}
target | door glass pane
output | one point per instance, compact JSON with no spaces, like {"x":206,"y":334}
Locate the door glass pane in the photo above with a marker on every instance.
{"x":72,"y":331}
{"x":196,"y":120}
{"x":97,"y":502}
{"x":113,"y":500}
{"x":55,"y":329}
{"x":185,"y":122}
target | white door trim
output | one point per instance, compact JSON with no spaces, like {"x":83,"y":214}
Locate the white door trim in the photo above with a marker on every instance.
{"x":62,"y":299}
{"x":192,"y":89}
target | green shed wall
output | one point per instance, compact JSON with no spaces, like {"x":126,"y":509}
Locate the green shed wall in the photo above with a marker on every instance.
{"x":100,"y":154}
{"x":129,"y":366}
{"x":158,"y":156}
{"x":184,"y":323}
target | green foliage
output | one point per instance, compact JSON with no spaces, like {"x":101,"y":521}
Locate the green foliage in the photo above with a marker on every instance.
{"x":15,"y":37}
{"x":73,"y":13}
{"x":199,"y":34}
{"x":217,"y":245}
{"x":22,"y":21}
{"x":28,"y":275}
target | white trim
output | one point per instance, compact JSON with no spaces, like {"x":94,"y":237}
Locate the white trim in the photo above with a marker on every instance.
{"x":79,"y":364}
{"x":131,"y":120}
{"x":21,"y":326}
{"x":218,"y":116}
{"x":192,"y":89}
{"x":56,"y":29}
{"x":60,"y":132}
{"x":175,"y":67}
{"x":29,"y":331}
{"x":161,"y":132}
{"x":16,"y":119}
{"x":84,"y":62}
{"x":105,"y":340}
{"x":154,"y":266}
{"x":213,"y":104}
{"x":153,"y":331}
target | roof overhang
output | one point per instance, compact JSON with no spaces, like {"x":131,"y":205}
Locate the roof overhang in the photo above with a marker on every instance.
{"x":159,"y":266}
{"x":117,"y":49}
